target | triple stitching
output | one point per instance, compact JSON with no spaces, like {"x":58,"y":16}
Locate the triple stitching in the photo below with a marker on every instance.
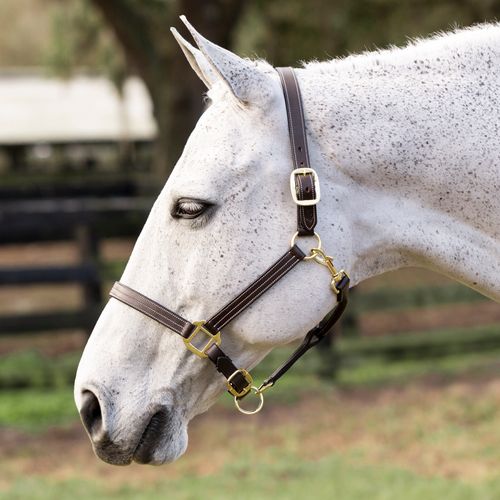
{"x":238,"y":298}
{"x":155,"y":312}
{"x":153,"y":304}
{"x":290,"y":120}
{"x":149,"y":311}
{"x":284,"y":267}
{"x":158,"y":309}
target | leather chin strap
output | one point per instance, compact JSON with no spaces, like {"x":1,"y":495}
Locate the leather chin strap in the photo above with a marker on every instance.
{"x":305,"y":192}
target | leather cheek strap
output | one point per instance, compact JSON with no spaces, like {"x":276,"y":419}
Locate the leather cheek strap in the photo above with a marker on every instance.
{"x":304,"y":183}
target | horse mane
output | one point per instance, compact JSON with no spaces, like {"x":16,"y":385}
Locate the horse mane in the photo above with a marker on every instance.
{"x":459,"y":41}
{"x":443,"y":50}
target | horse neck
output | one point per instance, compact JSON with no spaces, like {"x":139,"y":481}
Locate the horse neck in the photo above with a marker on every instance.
{"x":407,"y":141}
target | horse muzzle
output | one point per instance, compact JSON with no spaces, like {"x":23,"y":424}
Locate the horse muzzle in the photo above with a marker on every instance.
{"x":155,"y":436}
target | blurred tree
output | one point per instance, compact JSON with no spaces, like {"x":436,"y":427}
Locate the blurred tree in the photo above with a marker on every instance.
{"x":80,"y":40}
{"x":142,"y":29}
{"x":288,"y":31}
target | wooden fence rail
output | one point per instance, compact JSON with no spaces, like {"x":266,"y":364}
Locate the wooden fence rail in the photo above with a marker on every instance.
{"x":76,"y":219}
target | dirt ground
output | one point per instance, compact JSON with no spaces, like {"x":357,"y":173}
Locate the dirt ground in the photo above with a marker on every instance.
{"x":431,"y":427}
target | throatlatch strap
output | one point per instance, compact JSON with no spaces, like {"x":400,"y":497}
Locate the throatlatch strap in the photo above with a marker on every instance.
{"x":304,"y":183}
{"x":316,"y":334}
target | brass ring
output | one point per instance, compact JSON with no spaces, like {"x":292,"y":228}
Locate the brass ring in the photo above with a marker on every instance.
{"x":250,"y":412}
{"x":318,"y":245}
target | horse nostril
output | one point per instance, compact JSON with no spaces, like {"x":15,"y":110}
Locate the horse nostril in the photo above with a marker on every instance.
{"x":91,"y":414}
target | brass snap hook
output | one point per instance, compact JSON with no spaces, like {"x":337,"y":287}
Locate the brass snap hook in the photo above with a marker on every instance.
{"x":325,"y":260}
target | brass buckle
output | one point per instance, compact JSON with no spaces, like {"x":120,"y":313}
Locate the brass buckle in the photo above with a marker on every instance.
{"x":213,"y":338}
{"x":304,"y":171}
{"x":248,"y":378}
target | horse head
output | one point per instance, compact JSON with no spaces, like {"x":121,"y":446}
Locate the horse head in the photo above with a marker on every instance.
{"x":224,"y":216}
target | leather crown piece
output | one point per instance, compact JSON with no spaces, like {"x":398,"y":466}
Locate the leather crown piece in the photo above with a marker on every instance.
{"x":304,"y":184}
{"x":306,"y":194}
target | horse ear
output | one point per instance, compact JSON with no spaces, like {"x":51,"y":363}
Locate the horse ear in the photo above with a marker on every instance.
{"x":245,"y":80}
{"x":197,"y":60}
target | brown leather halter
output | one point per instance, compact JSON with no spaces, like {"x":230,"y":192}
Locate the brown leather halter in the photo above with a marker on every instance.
{"x":304,"y":185}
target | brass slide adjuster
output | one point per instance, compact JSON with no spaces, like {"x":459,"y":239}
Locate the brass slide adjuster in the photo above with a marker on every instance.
{"x":213,"y":338}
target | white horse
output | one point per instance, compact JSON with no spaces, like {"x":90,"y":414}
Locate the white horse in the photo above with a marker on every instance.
{"x":406,"y":143}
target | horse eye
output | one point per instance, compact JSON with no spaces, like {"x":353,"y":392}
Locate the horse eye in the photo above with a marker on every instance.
{"x":186,"y":208}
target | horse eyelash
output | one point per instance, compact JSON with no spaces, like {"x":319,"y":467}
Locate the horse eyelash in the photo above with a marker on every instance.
{"x":183,"y":206}
{"x":192,"y":206}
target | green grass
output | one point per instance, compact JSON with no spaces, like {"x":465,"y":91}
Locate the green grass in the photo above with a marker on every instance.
{"x":259,"y":471}
{"x":30,"y":369}
{"x":390,"y":298}
{"x":376,"y":372}
{"x":424,"y":345}
{"x":36,"y":409}
{"x":279,"y":476}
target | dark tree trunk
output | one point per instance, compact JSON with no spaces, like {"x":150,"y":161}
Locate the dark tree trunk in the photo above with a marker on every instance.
{"x":141,"y":28}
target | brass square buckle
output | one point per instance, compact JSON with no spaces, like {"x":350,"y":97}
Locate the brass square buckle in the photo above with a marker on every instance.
{"x":248,"y":378}
{"x":293,"y":189}
{"x":213,"y":338}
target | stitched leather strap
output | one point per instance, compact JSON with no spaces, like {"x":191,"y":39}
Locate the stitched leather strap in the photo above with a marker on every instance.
{"x":184,"y":328}
{"x":152,"y":309}
{"x":220,"y":319}
{"x":179,"y":325}
{"x":304,"y":183}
